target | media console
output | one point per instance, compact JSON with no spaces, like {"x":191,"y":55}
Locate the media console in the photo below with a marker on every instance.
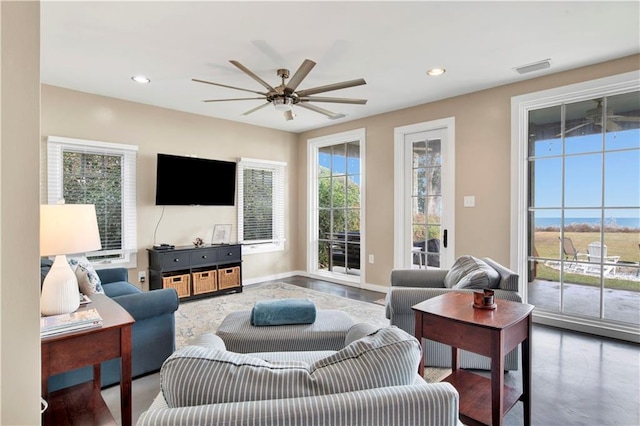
{"x":197,"y":272}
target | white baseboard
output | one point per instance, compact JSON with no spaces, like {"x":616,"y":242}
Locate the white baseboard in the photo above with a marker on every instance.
{"x":365,"y":286}
{"x":252,"y":281}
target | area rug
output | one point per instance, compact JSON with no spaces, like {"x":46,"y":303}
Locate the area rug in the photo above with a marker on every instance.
{"x":205,"y":315}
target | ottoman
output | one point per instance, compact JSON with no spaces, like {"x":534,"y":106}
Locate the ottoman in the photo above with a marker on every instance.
{"x":328,"y":332}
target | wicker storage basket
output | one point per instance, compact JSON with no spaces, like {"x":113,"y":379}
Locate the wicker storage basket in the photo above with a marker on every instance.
{"x":229,"y":277}
{"x":205,"y":282}
{"x":179,"y":282}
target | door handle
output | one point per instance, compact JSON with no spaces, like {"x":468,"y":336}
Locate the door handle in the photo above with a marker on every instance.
{"x":444,"y":238}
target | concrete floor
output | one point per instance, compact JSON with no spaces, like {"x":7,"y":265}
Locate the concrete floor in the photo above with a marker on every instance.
{"x":582,"y":300}
{"x":577,"y":379}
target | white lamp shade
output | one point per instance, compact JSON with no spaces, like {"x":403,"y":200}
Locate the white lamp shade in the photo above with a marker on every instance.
{"x":68,"y":228}
{"x":65,"y":229}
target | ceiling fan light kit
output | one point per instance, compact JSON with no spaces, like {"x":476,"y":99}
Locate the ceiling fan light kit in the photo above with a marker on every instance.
{"x":282,"y":104}
{"x":284,"y":96}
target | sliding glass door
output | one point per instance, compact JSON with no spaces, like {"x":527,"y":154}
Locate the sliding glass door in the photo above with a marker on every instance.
{"x":584,"y":209}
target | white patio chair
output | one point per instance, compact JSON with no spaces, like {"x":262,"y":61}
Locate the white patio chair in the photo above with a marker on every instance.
{"x":597,"y":253}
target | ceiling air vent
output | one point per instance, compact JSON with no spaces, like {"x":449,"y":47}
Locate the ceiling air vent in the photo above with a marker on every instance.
{"x":536,"y":66}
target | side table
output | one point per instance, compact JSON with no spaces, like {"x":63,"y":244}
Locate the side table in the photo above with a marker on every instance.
{"x":83,"y":403}
{"x":451,"y":319}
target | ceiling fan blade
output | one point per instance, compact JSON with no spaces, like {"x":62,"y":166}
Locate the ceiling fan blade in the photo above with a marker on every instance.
{"x":333,"y":100}
{"x":300,"y":74}
{"x":331,"y":115}
{"x":330,"y":87}
{"x":573,"y":128}
{"x":612,"y":126}
{"x":228,"y":87}
{"x":252,"y":75}
{"x":235,"y":99}
{"x":623,"y":118}
{"x":288,"y":115}
{"x":256,"y":108}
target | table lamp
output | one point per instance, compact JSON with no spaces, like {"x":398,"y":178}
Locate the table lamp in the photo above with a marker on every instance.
{"x":65,"y":229}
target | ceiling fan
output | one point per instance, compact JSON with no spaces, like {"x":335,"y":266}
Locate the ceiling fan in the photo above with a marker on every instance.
{"x":594,"y":116}
{"x":284,"y":96}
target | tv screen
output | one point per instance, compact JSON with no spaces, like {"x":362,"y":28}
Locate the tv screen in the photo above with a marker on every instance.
{"x":185,"y":181}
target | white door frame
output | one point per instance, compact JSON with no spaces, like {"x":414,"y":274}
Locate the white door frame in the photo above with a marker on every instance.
{"x":520,"y":107}
{"x":402,"y":205}
{"x":313,"y":146}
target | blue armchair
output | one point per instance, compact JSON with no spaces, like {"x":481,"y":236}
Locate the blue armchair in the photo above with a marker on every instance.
{"x":153,"y":333}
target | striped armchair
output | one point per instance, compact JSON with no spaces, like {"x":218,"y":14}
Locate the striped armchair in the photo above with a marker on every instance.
{"x":416,"y":404}
{"x":412,"y":286}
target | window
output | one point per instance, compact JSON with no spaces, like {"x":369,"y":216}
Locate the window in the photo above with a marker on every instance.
{"x":261,"y":205}
{"x":577,"y":159}
{"x":104,"y":174}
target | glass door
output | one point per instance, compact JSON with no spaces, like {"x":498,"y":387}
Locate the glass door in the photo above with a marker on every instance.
{"x":584,"y":209}
{"x":335,"y":206}
{"x":424,"y":192}
{"x":339,"y":208}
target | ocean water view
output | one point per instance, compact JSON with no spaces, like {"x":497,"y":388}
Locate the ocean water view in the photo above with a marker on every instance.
{"x":623,"y":222}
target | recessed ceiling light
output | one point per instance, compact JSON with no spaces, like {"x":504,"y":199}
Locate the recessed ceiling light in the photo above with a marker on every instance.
{"x":140,"y":79}
{"x":436,"y":71}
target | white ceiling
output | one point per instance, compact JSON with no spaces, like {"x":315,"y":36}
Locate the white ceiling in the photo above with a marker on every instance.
{"x":96,"y":47}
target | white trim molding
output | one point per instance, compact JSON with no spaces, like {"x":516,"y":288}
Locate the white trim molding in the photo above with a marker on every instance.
{"x":313,"y":145}
{"x":400,"y":182}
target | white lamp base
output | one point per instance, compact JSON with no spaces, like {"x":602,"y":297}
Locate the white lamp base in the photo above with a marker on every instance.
{"x":60,"y":294}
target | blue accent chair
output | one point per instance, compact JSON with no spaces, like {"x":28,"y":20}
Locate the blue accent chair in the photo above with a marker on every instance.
{"x":152,"y":335}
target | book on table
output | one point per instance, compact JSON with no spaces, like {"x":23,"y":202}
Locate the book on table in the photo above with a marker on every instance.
{"x":66,"y":323}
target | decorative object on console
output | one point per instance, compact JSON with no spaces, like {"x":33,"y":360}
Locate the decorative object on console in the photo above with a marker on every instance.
{"x":221,"y":234}
{"x":198,"y":242}
{"x":65,"y":229}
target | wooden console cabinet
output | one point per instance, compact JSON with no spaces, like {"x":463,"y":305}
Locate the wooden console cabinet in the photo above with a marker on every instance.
{"x":197,"y":272}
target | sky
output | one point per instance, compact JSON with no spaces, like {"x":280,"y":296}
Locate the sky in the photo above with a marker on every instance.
{"x":584,"y":175}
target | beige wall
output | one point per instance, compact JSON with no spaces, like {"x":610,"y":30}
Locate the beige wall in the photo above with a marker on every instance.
{"x":80,"y":115}
{"x":19,"y":213}
{"x":482,"y":164}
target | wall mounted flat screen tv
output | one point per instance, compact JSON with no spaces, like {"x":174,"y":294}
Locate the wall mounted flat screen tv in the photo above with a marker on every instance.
{"x":186,"y":181}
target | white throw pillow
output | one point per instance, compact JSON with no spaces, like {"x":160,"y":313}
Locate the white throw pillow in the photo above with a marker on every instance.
{"x":88,"y":279}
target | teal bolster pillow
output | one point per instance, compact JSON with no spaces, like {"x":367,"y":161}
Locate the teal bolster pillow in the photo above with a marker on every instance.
{"x":283,"y":312}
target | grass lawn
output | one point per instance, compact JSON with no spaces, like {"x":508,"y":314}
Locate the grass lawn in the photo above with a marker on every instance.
{"x":623,"y":244}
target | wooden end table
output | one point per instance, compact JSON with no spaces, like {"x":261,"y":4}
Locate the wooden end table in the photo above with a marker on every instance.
{"x":83,"y":403}
{"x":451,"y":319}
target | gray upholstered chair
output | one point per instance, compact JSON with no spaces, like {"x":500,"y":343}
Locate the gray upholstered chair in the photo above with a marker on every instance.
{"x":412,"y":286}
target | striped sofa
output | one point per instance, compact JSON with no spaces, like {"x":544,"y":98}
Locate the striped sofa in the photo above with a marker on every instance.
{"x":412,"y":286}
{"x":417,"y":403}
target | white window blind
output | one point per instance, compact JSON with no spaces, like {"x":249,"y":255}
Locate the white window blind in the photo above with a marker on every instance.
{"x":261,"y":205}
{"x":90,"y":172}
